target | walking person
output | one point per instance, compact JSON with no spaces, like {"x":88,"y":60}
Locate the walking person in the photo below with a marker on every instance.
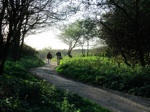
{"x":49,"y":56}
{"x":59,"y":57}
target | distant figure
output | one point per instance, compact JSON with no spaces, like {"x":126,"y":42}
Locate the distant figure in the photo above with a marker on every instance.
{"x":59,"y":57}
{"x":49,"y":56}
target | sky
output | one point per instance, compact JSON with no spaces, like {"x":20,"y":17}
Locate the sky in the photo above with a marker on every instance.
{"x":47,"y":39}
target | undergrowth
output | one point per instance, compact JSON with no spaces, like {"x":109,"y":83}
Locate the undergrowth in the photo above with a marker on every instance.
{"x":102,"y":71}
{"x":22,"y":92}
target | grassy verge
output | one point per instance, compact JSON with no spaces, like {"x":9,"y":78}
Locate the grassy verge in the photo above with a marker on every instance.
{"x":105,"y":72}
{"x":22,"y":92}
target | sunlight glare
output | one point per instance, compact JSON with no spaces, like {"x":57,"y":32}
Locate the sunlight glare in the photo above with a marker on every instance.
{"x":45,"y":40}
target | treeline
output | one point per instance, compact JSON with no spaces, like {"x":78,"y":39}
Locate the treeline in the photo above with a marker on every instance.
{"x":102,"y":51}
{"x":123,"y":26}
{"x":125,"y":29}
{"x":42,"y":53}
{"x":99,"y":51}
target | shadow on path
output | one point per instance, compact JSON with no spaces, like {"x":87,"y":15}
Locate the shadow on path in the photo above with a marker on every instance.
{"x":113,"y":100}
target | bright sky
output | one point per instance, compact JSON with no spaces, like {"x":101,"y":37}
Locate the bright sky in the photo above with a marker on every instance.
{"x":45,"y":40}
{"x":49,"y":38}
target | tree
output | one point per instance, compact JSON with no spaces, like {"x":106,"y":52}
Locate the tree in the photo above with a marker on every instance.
{"x":71,"y":35}
{"x":126,"y":30}
{"x":77,"y":33}
{"x":89,"y":31}
{"x":82,"y":44}
{"x":21,"y":17}
{"x":124,"y":27}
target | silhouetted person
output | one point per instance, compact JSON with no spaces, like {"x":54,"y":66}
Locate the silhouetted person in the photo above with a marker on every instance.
{"x":59,"y":57}
{"x":49,"y":56}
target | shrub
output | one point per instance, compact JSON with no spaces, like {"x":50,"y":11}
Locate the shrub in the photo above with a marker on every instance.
{"x":105,"y":72}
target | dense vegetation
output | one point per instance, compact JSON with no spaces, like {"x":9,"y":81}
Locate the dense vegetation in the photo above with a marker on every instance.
{"x":106,"y":72}
{"x":22,"y":92}
{"x":126,"y":30}
{"x":124,"y":27}
{"x":19,"y":18}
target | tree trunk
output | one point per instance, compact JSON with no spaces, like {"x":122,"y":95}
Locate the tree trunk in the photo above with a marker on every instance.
{"x":83,"y":52}
{"x":15,"y":49}
{"x":2,"y":66}
{"x":124,"y":56}
{"x":69,"y":53}
{"x":22,"y":43}
{"x":5,"y":53}
{"x":138,"y":38}
{"x":1,"y":47}
{"x":88,"y":47}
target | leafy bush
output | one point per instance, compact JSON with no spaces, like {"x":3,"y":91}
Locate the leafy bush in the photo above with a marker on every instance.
{"x":27,"y":50}
{"x":105,"y":72}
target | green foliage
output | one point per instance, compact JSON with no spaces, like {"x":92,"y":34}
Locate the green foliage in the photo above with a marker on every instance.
{"x":27,"y":50}
{"x":31,"y":62}
{"x":22,"y":92}
{"x":125,"y":28}
{"x":18,"y":69}
{"x":71,"y":34}
{"x":106,"y":72}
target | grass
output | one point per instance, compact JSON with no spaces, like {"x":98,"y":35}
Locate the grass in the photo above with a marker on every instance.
{"x":22,"y":92}
{"x":102,"y":71}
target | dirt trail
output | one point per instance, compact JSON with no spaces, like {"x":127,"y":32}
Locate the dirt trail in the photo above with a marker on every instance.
{"x":115,"y":101}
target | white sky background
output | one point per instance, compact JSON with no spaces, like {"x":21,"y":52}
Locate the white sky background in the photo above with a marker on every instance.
{"x":45,"y":40}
